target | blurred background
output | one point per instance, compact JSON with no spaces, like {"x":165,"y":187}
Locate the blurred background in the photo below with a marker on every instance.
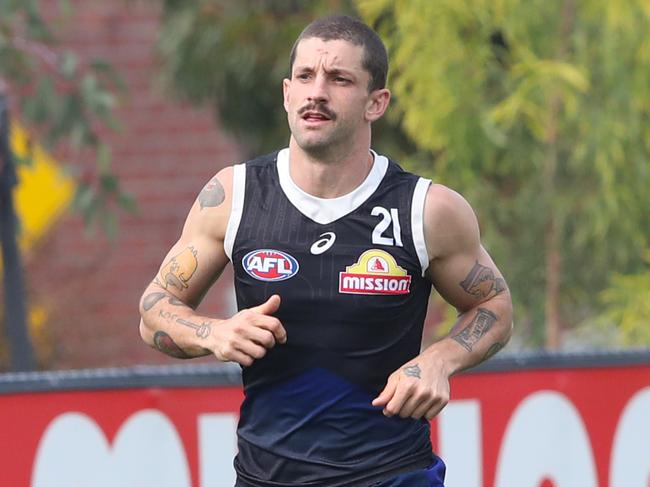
{"x":114,"y":114}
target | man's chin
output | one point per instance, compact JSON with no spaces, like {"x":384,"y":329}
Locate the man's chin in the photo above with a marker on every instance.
{"x":321,"y":144}
{"x":314,"y":144}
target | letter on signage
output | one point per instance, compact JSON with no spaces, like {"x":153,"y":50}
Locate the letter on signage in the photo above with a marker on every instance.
{"x":217,"y":448}
{"x":146,"y":452}
{"x":630,"y":463}
{"x":459,"y":434}
{"x":546,"y":439}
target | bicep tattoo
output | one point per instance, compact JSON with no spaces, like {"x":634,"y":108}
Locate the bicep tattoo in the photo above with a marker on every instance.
{"x":212,"y":194}
{"x":476,"y":329}
{"x":179,"y":270}
{"x":481,"y":282}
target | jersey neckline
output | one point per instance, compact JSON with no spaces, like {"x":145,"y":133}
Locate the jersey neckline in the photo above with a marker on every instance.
{"x":327,"y":210}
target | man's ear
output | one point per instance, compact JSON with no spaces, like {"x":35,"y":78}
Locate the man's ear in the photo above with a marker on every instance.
{"x":285,"y":90}
{"x":377,"y":104}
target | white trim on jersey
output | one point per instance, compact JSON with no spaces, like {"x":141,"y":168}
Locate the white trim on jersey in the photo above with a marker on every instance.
{"x":237,"y":208}
{"x":327,"y":210}
{"x":417,"y":222}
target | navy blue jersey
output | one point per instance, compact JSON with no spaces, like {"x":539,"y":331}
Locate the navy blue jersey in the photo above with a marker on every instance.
{"x":349,"y":271}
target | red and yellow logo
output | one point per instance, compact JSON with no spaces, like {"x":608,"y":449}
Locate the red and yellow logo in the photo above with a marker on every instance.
{"x":376,"y":272}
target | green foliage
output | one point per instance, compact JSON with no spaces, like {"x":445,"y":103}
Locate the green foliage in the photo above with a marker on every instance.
{"x":63,"y":99}
{"x":233,"y":56}
{"x":539,"y":113}
{"x":536,"y":111}
{"x":627,"y":303}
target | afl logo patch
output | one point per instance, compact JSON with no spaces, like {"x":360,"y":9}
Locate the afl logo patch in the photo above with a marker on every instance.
{"x":270,"y":265}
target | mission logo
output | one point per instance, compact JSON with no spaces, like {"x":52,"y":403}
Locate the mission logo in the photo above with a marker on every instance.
{"x":270,"y":265}
{"x":376,"y":272}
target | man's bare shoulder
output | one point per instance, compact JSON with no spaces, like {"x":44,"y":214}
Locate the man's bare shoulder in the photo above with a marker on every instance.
{"x":450,"y":224}
{"x":211,"y":209}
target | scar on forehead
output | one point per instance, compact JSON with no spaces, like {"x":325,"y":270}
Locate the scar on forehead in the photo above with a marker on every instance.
{"x":323,"y":52}
{"x":328,"y":58}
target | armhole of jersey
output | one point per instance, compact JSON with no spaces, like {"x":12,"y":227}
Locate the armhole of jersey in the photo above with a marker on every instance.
{"x":417,"y":222}
{"x":237,"y":208}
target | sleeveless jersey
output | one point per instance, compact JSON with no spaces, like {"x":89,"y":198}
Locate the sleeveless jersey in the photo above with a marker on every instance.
{"x":349,"y":272}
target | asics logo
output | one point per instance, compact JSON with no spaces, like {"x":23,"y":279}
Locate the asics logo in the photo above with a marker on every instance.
{"x":321,"y":245}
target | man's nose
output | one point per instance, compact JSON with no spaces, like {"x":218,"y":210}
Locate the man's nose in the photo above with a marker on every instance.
{"x":318,"y":92}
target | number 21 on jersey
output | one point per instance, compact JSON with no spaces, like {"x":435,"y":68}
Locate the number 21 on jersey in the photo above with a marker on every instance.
{"x":388,"y":218}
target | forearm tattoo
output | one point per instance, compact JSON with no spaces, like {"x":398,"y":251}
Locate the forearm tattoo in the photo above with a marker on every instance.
{"x":212,"y":194}
{"x":481,"y":282}
{"x":179,"y":270}
{"x":166,"y":345}
{"x":202,"y":331}
{"x":412,"y":371}
{"x":150,"y":300}
{"x":493,"y":350}
{"x":476,"y":329}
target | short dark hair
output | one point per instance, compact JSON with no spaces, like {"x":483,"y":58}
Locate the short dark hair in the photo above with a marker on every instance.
{"x":346,"y":28}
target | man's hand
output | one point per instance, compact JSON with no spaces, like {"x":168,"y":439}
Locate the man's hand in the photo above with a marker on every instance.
{"x":249,"y":334}
{"x":418,"y":389}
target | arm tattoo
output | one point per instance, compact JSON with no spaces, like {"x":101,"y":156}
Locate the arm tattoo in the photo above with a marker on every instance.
{"x":481,"y":283}
{"x":212,"y":194}
{"x":166,"y":345}
{"x":476,"y":329}
{"x":202,"y":331}
{"x":179,"y":270}
{"x":152,"y":299}
{"x":494,"y":349}
{"x":412,"y":371}
{"x":173,"y":300}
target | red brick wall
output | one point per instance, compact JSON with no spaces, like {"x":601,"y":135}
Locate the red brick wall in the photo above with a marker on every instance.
{"x":165,"y":153}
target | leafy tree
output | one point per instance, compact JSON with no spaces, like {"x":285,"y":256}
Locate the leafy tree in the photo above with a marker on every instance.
{"x":62,"y":98}
{"x":628,"y":306}
{"x":234,"y":55}
{"x":539,"y":113}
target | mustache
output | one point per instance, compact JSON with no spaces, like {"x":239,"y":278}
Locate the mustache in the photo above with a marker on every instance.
{"x":318,"y":108}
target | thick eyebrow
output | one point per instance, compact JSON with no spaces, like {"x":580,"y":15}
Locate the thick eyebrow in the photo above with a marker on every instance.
{"x":333,"y":71}
{"x":330,"y":72}
{"x":340,"y":72}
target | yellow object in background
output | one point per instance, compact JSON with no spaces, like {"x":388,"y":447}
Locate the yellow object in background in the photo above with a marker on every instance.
{"x":43,"y":192}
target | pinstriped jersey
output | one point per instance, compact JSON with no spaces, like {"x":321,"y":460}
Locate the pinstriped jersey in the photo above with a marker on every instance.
{"x":350,"y":274}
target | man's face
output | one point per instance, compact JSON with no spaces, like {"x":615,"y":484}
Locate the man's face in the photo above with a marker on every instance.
{"x":327,"y":99}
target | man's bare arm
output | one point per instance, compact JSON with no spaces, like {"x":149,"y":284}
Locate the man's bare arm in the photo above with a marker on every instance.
{"x":465,"y":275}
{"x":169,"y":322}
{"x":467,"y":278}
{"x":484,"y":328}
{"x":167,"y":307}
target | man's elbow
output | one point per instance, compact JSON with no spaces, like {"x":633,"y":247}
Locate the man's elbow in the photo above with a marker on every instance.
{"x":146,"y":334}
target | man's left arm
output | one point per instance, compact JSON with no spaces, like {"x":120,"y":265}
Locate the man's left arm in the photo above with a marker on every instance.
{"x":466,"y":277}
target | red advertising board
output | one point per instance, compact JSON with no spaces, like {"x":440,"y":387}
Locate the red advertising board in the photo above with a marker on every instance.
{"x":570,"y":427}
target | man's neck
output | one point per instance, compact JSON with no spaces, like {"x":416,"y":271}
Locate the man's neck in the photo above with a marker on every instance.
{"x":331,"y":176}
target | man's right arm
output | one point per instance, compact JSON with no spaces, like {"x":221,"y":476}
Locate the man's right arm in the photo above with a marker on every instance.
{"x":169,"y":321}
